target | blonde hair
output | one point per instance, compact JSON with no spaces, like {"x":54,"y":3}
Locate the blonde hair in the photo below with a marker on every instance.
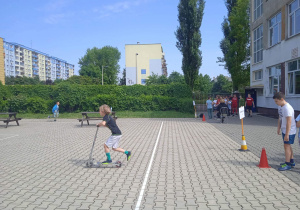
{"x":105,"y":109}
{"x":222,"y":101}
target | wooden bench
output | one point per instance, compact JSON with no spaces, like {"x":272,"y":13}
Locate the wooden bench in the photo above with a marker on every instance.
{"x":87,"y":118}
{"x":12,"y":117}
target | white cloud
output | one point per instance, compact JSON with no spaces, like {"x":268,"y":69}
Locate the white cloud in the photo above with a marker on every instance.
{"x":118,"y":7}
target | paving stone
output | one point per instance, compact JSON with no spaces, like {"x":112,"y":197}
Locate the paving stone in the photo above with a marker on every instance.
{"x":216,"y":177}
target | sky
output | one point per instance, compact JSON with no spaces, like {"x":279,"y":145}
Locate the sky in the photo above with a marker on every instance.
{"x":67,"y":28}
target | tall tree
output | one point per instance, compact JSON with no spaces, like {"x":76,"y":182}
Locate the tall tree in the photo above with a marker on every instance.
{"x":227,"y":40}
{"x":238,"y":56}
{"x":107,"y":57}
{"x":189,"y":38}
{"x":236,"y":42}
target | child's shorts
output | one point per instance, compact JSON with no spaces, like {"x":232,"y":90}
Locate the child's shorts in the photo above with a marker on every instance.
{"x":113,"y":141}
{"x":291,"y":139}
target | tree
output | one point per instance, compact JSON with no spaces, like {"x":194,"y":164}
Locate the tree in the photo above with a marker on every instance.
{"x":189,"y":37}
{"x":92,"y":62}
{"x":176,"y":77}
{"x":222,"y":85}
{"x":154,"y":79}
{"x":236,"y":42}
{"x":238,"y":56}
{"x":227,"y":40}
{"x":123,"y":79}
{"x":203,"y":84}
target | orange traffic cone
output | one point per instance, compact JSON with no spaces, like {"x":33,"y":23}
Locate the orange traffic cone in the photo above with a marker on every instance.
{"x":263,"y":159}
{"x":203,"y":118}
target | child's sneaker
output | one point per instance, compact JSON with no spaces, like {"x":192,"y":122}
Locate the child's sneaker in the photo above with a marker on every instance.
{"x":107,"y":162}
{"x":291,"y":164}
{"x":128,"y":155}
{"x":285,"y":167}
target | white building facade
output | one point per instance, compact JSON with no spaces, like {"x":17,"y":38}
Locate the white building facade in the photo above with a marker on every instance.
{"x":275,"y":52}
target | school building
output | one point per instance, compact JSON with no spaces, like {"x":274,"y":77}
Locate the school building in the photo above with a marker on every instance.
{"x":19,"y":60}
{"x":143,"y":60}
{"x":275,"y":53}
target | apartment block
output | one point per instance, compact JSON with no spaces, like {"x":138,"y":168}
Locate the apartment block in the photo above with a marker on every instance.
{"x":20,"y":60}
{"x":143,"y":60}
{"x":275,"y":52}
{"x":2,"y":71}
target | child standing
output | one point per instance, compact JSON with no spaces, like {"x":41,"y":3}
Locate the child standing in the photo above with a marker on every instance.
{"x":116,"y":134}
{"x":286,"y":122}
{"x":229,"y":105}
{"x":209,"y":107}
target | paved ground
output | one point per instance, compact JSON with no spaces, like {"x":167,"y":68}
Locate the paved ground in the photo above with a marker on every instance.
{"x":261,"y":132}
{"x":196,"y":166}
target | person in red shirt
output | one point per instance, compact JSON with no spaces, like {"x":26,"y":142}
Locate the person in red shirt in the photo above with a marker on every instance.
{"x":249,"y":104}
{"x":234,"y":104}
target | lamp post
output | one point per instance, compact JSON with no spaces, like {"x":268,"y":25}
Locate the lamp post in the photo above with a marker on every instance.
{"x":102,"y":72}
{"x":136,"y":54}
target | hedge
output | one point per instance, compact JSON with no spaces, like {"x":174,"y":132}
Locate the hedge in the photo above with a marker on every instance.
{"x":76,"y":98}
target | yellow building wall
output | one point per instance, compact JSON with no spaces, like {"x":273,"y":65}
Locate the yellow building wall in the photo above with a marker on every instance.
{"x":2,"y":71}
{"x":145,"y":52}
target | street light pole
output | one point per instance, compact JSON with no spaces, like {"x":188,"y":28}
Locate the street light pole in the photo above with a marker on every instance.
{"x":136,"y":80}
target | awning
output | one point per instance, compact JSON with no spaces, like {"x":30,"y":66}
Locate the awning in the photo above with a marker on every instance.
{"x":257,"y":86}
{"x":254,"y":87}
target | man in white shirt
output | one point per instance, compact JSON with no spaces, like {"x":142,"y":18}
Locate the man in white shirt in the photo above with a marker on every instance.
{"x":286,"y":122}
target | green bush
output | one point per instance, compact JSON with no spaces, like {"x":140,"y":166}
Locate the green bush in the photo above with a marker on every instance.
{"x":76,"y":98}
{"x":37,"y":105}
{"x":17,"y":103}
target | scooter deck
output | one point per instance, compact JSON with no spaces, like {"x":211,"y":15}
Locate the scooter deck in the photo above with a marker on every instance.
{"x":117,"y":164}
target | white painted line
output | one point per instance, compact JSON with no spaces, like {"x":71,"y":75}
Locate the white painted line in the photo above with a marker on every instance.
{"x":9,"y":137}
{"x":137,"y":207}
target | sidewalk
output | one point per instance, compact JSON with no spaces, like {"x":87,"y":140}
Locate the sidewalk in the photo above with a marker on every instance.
{"x":195,"y":166}
{"x":261,"y":132}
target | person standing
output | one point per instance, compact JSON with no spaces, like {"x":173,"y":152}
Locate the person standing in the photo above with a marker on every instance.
{"x":234,"y":104}
{"x":249,"y":104}
{"x":287,"y":124}
{"x":209,"y":107}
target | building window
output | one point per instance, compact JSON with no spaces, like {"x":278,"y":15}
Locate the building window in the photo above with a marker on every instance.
{"x":294,"y":18}
{"x":258,"y":75}
{"x":258,"y":44}
{"x":143,"y":81}
{"x":143,"y":71}
{"x":275,"y":29}
{"x":275,"y":79}
{"x":258,"y":8}
{"x":294,"y":77}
